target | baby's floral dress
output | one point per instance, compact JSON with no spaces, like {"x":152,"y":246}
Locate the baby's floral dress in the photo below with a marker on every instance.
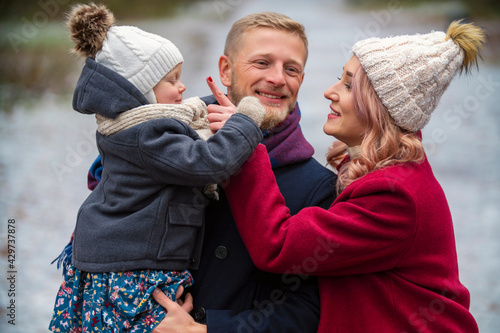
{"x":113,"y":302}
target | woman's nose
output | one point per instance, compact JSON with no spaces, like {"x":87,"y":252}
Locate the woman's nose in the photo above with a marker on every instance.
{"x":331,"y":94}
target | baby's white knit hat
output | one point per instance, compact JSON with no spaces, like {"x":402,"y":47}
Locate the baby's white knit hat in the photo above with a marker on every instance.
{"x":141,"y":57}
{"x":410,"y":73}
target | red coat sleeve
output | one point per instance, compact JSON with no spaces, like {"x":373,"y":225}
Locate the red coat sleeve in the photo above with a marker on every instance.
{"x":368,"y":228}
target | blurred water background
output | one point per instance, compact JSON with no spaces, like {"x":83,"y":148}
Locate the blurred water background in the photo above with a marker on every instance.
{"x":46,"y":148}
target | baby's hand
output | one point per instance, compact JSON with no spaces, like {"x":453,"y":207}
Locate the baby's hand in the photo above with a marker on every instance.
{"x":218,"y":114}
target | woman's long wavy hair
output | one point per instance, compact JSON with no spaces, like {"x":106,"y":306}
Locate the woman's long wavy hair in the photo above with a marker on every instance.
{"x":384,"y":143}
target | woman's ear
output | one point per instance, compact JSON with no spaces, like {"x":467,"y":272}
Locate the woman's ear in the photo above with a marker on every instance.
{"x":225,"y":70}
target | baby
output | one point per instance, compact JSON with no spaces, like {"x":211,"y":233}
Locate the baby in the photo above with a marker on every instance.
{"x":142,"y":226}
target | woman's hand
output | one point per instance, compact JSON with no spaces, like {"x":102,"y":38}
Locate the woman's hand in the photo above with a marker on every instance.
{"x":218,"y":114}
{"x":177,"y":318}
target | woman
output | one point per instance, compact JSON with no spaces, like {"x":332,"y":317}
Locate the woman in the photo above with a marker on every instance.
{"x":385,"y":250}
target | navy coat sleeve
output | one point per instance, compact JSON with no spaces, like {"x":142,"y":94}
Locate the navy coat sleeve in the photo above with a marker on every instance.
{"x":172,"y":156}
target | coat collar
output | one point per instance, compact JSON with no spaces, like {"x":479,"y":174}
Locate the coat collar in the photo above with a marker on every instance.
{"x":102,"y":91}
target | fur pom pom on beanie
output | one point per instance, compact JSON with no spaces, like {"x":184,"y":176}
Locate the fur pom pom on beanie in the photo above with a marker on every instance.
{"x":141,"y":57}
{"x":410,"y":73}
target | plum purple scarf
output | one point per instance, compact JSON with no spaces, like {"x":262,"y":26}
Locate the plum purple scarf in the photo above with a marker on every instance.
{"x":286,"y":144}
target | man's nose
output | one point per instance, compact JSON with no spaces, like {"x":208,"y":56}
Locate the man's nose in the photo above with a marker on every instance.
{"x":276,"y":76}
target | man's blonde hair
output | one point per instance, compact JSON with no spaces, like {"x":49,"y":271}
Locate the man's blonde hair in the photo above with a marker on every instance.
{"x":262,"y":20}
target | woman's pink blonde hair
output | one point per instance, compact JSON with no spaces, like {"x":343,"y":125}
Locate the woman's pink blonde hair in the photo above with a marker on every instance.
{"x":384,"y":143}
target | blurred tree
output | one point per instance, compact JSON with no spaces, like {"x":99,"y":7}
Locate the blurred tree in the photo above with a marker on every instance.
{"x":34,"y":48}
{"x":14,"y":10}
{"x":474,"y":8}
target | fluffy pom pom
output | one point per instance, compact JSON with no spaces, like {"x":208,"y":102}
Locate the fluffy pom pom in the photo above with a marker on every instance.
{"x":88,"y":25}
{"x":469,"y":38}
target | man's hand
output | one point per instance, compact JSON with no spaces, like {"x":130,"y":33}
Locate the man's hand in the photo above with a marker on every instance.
{"x":177,"y":318}
{"x":218,"y":114}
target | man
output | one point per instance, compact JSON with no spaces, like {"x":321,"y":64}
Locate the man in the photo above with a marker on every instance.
{"x":264,"y":56}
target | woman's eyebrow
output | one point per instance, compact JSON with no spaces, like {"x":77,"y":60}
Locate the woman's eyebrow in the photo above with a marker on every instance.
{"x":347,"y":73}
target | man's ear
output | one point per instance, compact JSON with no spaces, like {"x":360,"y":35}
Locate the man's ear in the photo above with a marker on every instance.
{"x":225,"y":70}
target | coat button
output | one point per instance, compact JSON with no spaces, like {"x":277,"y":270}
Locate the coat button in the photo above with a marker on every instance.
{"x":221,"y":252}
{"x":199,"y":313}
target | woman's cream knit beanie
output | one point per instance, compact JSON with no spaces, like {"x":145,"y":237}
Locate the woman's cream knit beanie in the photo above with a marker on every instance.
{"x":410,"y":73}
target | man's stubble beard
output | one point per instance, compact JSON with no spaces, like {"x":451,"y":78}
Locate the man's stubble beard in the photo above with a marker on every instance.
{"x":272,"y":117}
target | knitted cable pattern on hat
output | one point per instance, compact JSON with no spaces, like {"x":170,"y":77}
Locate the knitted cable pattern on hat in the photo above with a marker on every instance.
{"x":410,"y":73}
{"x":141,"y":57}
